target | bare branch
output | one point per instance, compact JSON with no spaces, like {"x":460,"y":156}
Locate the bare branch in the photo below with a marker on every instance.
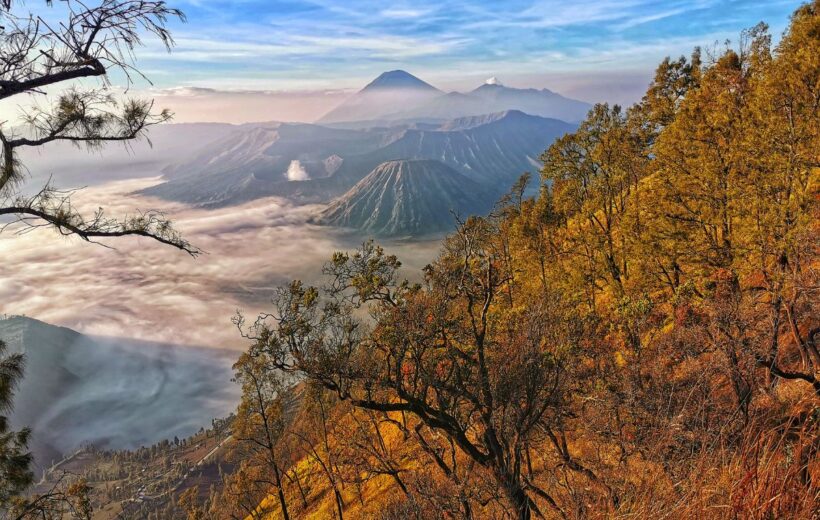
{"x":53,"y":208}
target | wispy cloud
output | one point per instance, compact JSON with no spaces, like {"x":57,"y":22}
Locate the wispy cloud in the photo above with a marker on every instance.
{"x":640,"y":20}
{"x":404,"y":13}
{"x":386,"y":46}
{"x":318,"y":44}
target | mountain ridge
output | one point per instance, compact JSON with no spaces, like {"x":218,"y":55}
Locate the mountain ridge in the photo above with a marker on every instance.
{"x":407,"y":197}
{"x":493,"y":150}
{"x":398,"y":95}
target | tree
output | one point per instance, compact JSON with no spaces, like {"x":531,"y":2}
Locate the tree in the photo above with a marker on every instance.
{"x":68,"y":497}
{"x":590,"y":176}
{"x":453,"y":354}
{"x":735,"y":171}
{"x":260,"y":422}
{"x":784,"y":136}
{"x":90,"y":42}
{"x":315,"y":433}
{"x":366,"y":446}
{"x":244,"y":493}
{"x":189,"y":503}
{"x":15,"y":460}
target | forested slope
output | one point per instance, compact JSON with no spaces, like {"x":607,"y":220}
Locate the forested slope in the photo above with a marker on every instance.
{"x":638,"y":341}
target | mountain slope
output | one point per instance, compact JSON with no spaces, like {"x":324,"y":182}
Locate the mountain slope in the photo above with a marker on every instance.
{"x":407,"y":198}
{"x":112,"y":392}
{"x":257,"y":160}
{"x":542,"y":102}
{"x":268,"y":149}
{"x":492,"y":150}
{"x":381,"y":96}
{"x":495,"y":97}
{"x":398,"y":79}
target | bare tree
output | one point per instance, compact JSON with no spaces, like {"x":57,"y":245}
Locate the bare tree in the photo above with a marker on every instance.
{"x":37,"y":55}
{"x":315,"y":434}
{"x":260,"y":423}
{"x":68,"y":497}
{"x":440,"y":353}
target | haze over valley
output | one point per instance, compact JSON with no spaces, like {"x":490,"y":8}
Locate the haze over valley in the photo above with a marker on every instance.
{"x":112,"y":392}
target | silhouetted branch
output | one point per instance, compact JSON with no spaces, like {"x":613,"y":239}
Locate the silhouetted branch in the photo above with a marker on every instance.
{"x":53,"y":208}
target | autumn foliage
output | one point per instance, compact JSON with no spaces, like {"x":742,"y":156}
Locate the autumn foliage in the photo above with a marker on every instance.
{"x":639,"y":340}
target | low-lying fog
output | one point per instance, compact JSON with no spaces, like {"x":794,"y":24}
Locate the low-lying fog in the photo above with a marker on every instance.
{"x":145,"y":290}
{"x":112,"y":392}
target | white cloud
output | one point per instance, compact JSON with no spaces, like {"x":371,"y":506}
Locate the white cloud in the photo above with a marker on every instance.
{"x":404,"y":13}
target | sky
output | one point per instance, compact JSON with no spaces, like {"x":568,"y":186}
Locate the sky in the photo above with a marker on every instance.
{"x":294,"y":60}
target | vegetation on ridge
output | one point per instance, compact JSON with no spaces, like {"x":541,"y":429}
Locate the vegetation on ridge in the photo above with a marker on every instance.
{"x":639,"y":340}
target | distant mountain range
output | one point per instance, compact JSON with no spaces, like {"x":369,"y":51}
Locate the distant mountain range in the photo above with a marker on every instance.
{"x":381,"y":96}
{"x":482,"y":141}
{"x":400,"y":96}
{"x":112,"y":392}
{"x":408,"y":198}
{"x":313,"y":163}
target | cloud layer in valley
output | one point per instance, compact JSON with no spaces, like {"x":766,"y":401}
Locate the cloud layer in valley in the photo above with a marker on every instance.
{"x":148,"y":291}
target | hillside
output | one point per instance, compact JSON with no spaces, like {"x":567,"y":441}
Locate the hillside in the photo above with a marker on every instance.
{"x":640,"y":340}
{"x":112,"y":392}
{"x":407,"y":198}
{"x":145,"y":483}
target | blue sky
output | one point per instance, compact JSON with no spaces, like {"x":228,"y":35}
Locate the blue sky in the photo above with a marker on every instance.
{"x":298,"y":44}
{"x":244,"y":60}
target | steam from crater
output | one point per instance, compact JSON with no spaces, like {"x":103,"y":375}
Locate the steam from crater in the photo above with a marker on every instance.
{"x":296,"y":172}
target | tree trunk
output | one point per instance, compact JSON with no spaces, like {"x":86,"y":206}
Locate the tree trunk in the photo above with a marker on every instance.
{"x":279,"y":491}
{"x":339,"y":502}
{"x":283,"y":503}
{"x":516,"y":496}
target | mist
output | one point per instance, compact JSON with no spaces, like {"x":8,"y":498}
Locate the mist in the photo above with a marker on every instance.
{"x":195,"y":104}
{"x":145,"y":290}
{"x":113,"y":393}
